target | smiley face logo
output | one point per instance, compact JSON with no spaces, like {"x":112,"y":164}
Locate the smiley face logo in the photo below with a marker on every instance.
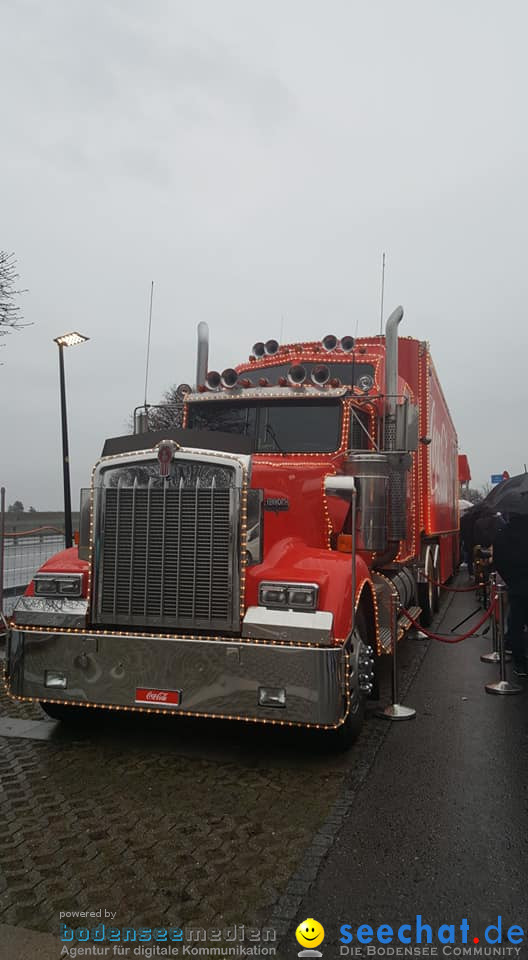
{"x":310,"y":933}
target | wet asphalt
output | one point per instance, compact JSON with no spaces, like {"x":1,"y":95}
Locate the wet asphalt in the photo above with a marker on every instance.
{"x":440,"y":826}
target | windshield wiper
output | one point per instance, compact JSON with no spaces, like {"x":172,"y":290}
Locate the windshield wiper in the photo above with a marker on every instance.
{"x":270,"y":432}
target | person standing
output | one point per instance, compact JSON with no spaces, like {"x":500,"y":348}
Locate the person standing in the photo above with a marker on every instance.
{"x":510,"y":558}
{"x":467,"y":522}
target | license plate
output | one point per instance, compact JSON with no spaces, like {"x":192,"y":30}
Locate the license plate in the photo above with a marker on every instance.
{"x":152,"y":697}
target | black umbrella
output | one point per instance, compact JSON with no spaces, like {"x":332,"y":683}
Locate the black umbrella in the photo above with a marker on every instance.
{"x":510,"y":496}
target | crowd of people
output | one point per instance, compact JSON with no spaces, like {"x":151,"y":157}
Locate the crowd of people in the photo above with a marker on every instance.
{"x":506,"y":536}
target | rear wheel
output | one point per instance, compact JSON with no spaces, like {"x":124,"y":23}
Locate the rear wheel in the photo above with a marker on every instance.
{"x":426,"y":590}
{"x":436,"y":578}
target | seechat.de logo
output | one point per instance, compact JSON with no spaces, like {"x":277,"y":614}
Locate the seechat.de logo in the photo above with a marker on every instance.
{"x":310,"y":934}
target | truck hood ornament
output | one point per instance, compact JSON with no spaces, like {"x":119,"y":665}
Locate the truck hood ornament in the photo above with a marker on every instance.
{"x":166,"y":451}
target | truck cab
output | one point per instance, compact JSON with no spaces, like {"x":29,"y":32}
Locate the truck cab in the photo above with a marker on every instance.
{"x":247,"y":564}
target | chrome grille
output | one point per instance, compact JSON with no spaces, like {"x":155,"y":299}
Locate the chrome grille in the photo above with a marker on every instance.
{"x":167,"y":554}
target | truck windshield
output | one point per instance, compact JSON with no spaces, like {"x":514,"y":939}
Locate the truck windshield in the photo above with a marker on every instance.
{"x":276,"y":427}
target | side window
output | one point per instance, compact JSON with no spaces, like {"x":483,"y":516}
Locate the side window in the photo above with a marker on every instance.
{"x":359,"y":429}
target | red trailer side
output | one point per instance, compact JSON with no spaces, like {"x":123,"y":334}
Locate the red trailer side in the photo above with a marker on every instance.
{"x":439,"y":469}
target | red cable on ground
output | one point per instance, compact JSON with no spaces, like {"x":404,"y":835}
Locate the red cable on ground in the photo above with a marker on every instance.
{"x":456,"y":638}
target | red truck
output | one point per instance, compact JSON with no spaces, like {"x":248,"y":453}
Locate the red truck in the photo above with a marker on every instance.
{"x":254,"y":563}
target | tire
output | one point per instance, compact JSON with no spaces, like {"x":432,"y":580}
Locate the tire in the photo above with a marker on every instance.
{"x":426,"y":591}
{"x":345,"y":735}
{"x":64,"y":712}
{"x":436,"y":578}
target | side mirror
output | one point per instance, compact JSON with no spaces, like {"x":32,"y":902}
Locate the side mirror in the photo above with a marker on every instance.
{"x":407,"y":426}
{"x":84,"y":525}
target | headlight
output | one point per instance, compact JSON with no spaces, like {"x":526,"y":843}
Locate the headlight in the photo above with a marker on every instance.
{"x":292,"y":596}
{"x":58,"y":585}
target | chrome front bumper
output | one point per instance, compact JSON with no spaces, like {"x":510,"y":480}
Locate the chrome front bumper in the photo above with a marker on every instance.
{"x":217,"y":678}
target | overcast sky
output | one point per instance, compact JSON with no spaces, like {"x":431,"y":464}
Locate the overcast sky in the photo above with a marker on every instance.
{"x":254,"y":159}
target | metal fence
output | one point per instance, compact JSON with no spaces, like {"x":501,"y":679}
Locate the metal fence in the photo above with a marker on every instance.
{"x":25,"y":552}
{"x":21,"y":555}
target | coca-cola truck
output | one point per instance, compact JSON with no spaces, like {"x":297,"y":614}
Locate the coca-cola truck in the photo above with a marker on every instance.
{"x":255,"y":561}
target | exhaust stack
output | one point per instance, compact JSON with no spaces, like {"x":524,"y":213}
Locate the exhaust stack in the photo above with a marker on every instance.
{"x":391,"y":362}
{"x":397,"y":471}
{"x":202,"y":354}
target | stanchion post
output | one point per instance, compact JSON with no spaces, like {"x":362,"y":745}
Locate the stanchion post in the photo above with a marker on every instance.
{"x":494,"y":656}
{"x":395,"y":710}
{"x":503,"y":685}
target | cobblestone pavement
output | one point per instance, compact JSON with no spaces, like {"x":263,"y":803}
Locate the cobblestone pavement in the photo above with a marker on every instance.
{"x":167,"y":821}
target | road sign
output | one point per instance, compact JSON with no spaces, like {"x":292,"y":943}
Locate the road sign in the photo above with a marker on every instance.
{"x":497,"y":478}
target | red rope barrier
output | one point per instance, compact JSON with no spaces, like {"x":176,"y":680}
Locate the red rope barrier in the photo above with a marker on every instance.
{"x":458,"y":637}
{"x":443,"y":586}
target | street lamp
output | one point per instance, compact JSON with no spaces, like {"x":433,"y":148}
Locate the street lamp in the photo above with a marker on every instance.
{"x":66,"y":340}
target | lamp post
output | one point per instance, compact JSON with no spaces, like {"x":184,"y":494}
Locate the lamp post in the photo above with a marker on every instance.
{"x":66,"y":340}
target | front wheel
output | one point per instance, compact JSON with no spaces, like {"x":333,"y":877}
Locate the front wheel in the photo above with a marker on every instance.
{"x":360,"y":682}
{"x":65,"y":712}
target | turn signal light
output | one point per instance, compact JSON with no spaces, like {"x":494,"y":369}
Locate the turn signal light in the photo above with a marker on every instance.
{"x":344,"y":543}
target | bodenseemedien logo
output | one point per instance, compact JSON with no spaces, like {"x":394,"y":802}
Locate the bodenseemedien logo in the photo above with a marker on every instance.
{"x":310,"y":934}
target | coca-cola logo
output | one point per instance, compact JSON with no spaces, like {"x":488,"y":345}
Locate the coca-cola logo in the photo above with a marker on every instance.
{"x":149,"y":695}
{"x":442,"y":459}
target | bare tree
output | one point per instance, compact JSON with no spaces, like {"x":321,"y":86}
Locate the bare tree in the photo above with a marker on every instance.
{"x":10,"y":312}
{"x":168,"y":414}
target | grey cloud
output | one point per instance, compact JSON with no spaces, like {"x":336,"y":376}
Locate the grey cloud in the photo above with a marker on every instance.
{"x":98,"y":83}
{"x":255,"y":160}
